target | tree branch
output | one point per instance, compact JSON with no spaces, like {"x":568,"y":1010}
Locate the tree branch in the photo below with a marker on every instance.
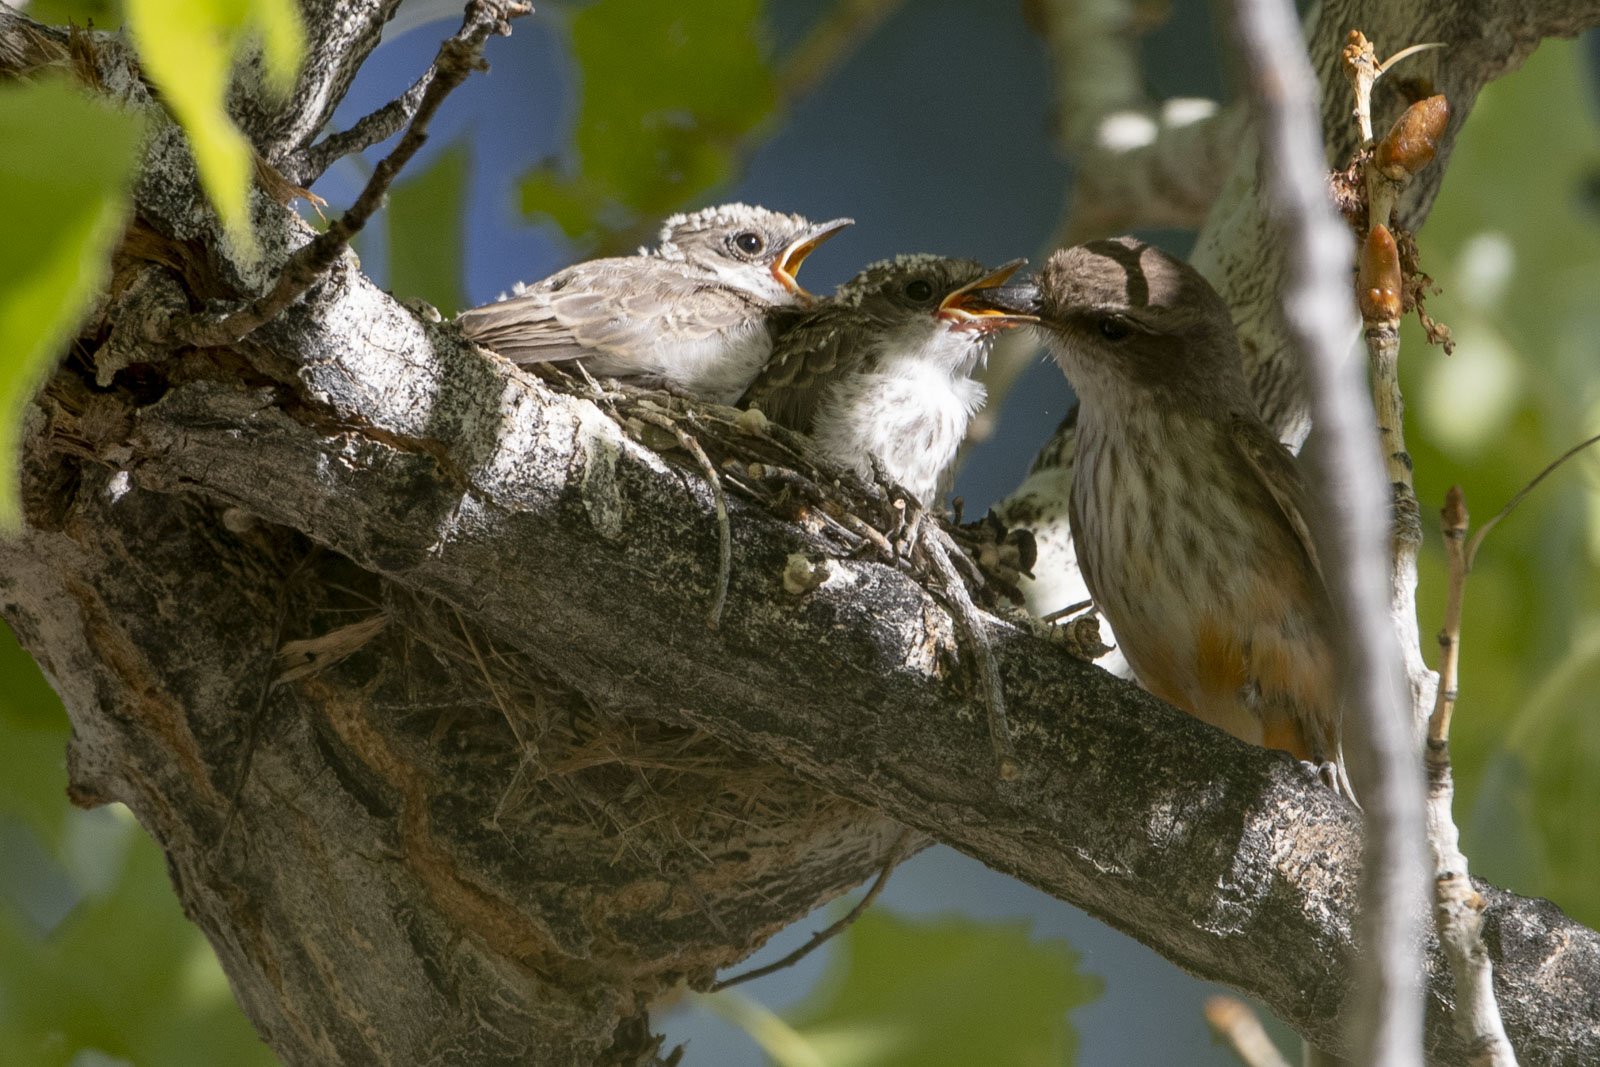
{"x":340,"y":34}
{"x":458,"y":57}
{"x":309,"y":164}
{"x":1387,"y":1023}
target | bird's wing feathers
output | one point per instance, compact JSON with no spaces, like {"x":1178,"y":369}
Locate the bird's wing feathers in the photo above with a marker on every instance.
{"x":606,"y":306}
{"x":1277,"y":473}
{"x":808,"y":356}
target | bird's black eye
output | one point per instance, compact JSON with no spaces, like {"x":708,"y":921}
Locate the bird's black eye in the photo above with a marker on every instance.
{"x":749,"y":242}
{"x":1114,"y":327}
{"x":920,"y":290}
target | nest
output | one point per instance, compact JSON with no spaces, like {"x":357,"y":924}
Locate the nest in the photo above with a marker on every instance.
{"x":656,"y":791}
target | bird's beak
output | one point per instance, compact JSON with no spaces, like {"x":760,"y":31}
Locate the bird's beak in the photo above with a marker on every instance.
{"x":989,"y":304}
{"x":787,"y":265}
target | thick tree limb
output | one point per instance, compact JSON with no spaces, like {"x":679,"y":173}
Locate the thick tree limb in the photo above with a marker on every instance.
{"x":340,"y":34}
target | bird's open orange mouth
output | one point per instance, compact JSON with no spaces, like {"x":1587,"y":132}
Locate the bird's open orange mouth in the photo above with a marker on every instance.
{"x":964,"y":310}
{"x":787,"y":265}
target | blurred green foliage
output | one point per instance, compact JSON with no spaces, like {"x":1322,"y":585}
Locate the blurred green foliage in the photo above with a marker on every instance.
{"x":95,"y":953}
{"x":425,"y":220}
{"x":1514,"y":241}
{"x":941,"y":993}
{"x":70,"y":196}
{"x":667,"y":94}
{"x":101,"y":14}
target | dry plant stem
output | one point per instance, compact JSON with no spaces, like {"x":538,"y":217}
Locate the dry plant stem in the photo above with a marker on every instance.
{"x":1070,"y":609}
{"x":1234,"y":1024}
{"x":307,"y":166}
{"x":1387,"y":1022}
{"x":976,"y":636}
{"x":1457,"y":906}
{"x":458,"y":57}
{"x":1381,"y":331}
{"x":823,"y":936}
{"x":719,"y":499}
{"x":1383,"y":354}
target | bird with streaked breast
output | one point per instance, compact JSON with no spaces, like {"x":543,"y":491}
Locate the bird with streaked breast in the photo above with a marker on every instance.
{"x":692,"y":314}
{"x":1188,"y":516}
{"x":879,"y":375}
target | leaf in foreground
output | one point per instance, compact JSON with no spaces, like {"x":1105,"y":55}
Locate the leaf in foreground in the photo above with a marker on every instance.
{"x":953,"y":991}
{"x":188,"y":48}
{"x":64,"y":177}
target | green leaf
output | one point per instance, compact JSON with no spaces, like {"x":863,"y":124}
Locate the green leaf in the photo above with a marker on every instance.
{"x":33,"y":743}
{"x":125,"y":974}
{"x":670,"y":93}
{"x":914,"y":993}
{"x":101,"y":14}
{"x":574,"y":204}
{"x":426,"y":247}
{"x":64,"y":174}
{"x":188,"y":48}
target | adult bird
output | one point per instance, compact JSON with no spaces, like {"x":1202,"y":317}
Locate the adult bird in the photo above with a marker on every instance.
{"x":1189,"y":518}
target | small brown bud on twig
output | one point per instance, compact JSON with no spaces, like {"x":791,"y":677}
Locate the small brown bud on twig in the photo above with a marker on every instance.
{"x":1413,"y":139}
{"x":1378,"y":281}
{"x":1454,"y":513}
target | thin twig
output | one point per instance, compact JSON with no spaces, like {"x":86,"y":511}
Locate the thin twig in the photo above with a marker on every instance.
{"x":687,"y":442}
{"x":1387,"y":1016}
{"x":1457,"y":907}
{"x":1235,"y":1024}
{"x":309,"y":164}
{"x":458,"y":57}
{"x":1070,"y":609}
{"x":938,"y":546}
{"x":1511,"y":505}
{"x":821,"y":937}
{"x":1379,"y":291}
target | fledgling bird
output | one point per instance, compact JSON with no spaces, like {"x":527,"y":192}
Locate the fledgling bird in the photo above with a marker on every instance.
{"x":691,"y":314}
{"x":881,"y":372}
{"x":1187,"y":514}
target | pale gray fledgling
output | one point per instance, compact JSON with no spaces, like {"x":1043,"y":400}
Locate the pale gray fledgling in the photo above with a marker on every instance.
{"x":1192,"y":524}
{"x":691,"y":314}
{"x":880,"y":374}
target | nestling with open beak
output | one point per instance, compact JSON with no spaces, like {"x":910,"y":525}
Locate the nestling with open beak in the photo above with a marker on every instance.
{"x":692,"y":314}
{"x":1188,"y":516}
{"x":880,"y":374}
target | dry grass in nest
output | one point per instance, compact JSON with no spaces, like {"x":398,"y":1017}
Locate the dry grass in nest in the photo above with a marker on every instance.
{"x":658,"y":789}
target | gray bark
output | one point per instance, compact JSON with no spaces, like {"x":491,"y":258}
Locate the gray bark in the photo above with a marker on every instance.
{"x":531,"y":789}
